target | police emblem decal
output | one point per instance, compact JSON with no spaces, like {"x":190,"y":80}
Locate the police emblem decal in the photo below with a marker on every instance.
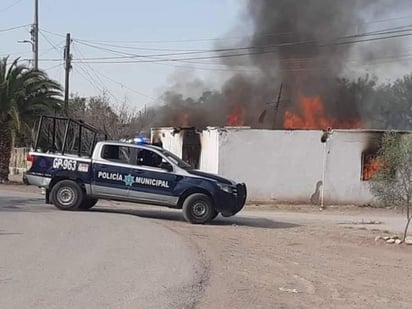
{"x":128,"y":180}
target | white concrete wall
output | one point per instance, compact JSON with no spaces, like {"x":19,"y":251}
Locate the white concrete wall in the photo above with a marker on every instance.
{"x":171,"y":141}
{"x":283,"y":166}
{"x":273,"y":164}
{"x":343,"y":183}
{"x":287,"y":165}
{"x":209,"y":157}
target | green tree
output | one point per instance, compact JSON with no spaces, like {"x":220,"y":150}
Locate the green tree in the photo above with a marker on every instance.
{"x":24,"y":94}
{"x":393,"y":183}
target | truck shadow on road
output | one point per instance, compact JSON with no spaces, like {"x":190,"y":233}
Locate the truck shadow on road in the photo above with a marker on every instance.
{"x":22,"y":205}
{"x":177,"y":216}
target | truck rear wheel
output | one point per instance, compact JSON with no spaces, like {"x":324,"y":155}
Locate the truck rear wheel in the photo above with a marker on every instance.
{"x":67,"y":195}
{"x":88,"y":203}
{"x":198,"y":209}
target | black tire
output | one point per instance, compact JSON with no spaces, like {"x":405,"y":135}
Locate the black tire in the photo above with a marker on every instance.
{"x":67,"y":195}
{"x":88,"y":203}
{"x":198,"y":209}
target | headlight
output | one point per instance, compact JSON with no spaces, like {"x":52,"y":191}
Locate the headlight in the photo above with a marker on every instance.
{"x":225,"y":187}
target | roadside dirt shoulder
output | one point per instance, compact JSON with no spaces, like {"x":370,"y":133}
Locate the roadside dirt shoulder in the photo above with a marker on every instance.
{"x":259,"y":263}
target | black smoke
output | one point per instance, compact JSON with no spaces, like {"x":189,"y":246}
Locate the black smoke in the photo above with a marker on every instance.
{"x":303,"y":44}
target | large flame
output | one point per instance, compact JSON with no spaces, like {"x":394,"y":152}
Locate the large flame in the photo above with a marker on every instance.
{"x":312,"y":116}
{"x":236,"y":117}
{"x":184,"y":120}
{"x":371,"y":166}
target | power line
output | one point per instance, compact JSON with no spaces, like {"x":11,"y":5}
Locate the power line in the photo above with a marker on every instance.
{"x":337,"y":41}
{"x":88,"y":79}
{"x":99,"y":80}
{"x":109,"y":78}
{"x":141,"y":48}
{"x":396,"y":31}
{"x":237,"y":54}
{"x":53,"y":67}
{"x":10,"y":6}
{"x":218,"y":39}
{"x":51,"y":43}
{"x":14,"y":28}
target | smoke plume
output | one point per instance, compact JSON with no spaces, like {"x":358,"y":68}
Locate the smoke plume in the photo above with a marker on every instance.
{"x":302,"y":44}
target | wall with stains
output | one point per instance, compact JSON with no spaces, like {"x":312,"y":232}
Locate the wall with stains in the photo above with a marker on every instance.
{"x":209,"y":156}
{"x":286,"y":166}
{"x":170,"y":139}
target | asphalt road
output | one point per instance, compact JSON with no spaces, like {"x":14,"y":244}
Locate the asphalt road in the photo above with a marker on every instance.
{"x":120,"y":255}
{"x":56,"y":259}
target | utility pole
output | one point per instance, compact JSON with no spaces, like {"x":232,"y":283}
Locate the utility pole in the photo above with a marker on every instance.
{"x":34,"y":32}
{"x":67,"y":67}
{"x":277,"y":106}
{"x":35,"y":35}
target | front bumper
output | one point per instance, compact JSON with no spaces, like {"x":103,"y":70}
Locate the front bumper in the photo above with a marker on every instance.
{"x":231,"y":204}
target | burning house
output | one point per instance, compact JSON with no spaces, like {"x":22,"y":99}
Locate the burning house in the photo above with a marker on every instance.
{"x":274,"y":139}
{"x":284,"y":165}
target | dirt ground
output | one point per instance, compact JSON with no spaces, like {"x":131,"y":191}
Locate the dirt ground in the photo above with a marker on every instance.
{"x":281,"y":265}
{"x":253,"y":261}
{"x":257,"y":261}
{"x":261,"y":263}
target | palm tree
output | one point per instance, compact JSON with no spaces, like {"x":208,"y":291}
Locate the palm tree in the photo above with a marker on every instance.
{"x":24,"y":94}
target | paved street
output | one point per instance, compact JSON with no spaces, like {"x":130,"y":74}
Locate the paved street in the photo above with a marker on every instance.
{"x":56,"y":259}
{"x":120,"y":255}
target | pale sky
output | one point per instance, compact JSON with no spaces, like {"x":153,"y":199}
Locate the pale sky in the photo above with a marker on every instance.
{"x":154,"y":25}
{"x":121,"y":20}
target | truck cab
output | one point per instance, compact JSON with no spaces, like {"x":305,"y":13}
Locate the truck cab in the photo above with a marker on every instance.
{"x":144,"y":174}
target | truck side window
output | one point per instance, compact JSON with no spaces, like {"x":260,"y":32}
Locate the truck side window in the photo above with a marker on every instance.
{"x":147,"y":157}
{"x":119,"y":154}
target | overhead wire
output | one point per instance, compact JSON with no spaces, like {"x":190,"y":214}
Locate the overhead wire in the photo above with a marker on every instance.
{"x":260,"y":52}
{"x":96,"y":87}
{"x":97,"y":76}
{"x":224,"y":38}
{"x":155,"y":57}
{"x":53,"y":67}
{"x":51,"y":43}
{"x":121,"y":56}
{"x":257,"y":49}
{"x":14,"y":28}
{"x":10,"y":6}
{"x":109,"y":78}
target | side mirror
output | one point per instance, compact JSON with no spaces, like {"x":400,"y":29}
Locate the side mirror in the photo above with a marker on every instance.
{"x":166,"y":166}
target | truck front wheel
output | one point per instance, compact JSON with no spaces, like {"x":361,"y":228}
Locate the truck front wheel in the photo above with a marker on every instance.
{"x":198,"y":209}
{"x":67,"y":195}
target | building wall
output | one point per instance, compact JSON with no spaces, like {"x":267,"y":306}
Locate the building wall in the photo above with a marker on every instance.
{"x":285,"y":166}
{"x":209,"y":156}
{"x":273,"y":164}
{"x":343,"y":181}
{"x":171,"y":140}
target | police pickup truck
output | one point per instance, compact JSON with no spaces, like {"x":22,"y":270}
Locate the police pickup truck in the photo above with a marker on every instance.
{"x":78,"y":169}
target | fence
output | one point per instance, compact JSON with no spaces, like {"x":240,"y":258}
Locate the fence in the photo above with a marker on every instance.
{"x":18,"y":163}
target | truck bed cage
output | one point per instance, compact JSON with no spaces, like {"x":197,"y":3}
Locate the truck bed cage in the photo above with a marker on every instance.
{"x":67,"y":136}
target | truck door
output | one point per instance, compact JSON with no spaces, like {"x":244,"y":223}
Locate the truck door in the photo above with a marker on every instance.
{"x":111,"y":172}
{"x":153,"y":180}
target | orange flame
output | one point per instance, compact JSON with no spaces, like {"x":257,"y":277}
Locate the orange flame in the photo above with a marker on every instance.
{"x":236,"y":117}
{"x":371,"y":166}
{"x":184,"y":120}
{"x":313,"y":117}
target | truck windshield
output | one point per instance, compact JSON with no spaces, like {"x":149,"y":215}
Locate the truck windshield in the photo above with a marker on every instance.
{"x":176,"y":160}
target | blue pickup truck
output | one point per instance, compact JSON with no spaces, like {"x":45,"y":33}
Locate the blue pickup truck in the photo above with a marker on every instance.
{"x":78,"y":169}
